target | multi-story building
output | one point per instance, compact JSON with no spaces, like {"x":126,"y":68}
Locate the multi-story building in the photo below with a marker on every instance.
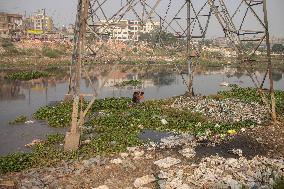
{"x":10,"y":23}
{"x":42,"y":22}
{"x":124,"y":30}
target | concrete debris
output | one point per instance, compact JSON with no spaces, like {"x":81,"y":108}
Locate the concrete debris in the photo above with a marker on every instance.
{"x":174,"y":141}
{"x":167,"y":162}
{"x":132,"y":149}
{"x":164,"y":122}
{"x":102,"y":187}
{"x":123,"y":155}
{"x":188,"y":152}
{"x":235,"y":173}
{"x":139,"y":182}
{"x":138,"y":154}
{"x":86,"y":141}
{"x":169,"y":172}
{"x":238,"y":152}
{"x":172,"y":179}
{"x":33,"y":143}
{"x":227,"y":110}
{"x":116,"y":161}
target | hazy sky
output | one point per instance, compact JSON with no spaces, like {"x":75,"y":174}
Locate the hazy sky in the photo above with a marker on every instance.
{"x":63,"y":11}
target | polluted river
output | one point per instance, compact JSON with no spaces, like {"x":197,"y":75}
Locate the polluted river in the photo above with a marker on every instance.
{"x":158,"y":82}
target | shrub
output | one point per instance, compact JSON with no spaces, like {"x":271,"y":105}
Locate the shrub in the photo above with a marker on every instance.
{"x":51,"y":53}
{"x":18,"y":120}
{"x":8,"y":46}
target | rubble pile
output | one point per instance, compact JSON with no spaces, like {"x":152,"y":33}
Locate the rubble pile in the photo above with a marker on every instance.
{"x":38,"y":44}
{"x":148,"y":167}
{"x":227,"y":110}
{"x":218,"y":172}
{"x":236,"y":173}
{"x":2,"y":50}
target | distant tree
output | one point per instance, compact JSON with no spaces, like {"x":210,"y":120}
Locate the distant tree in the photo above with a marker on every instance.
{"x":278,"y":48}
{"x":159,"y":37}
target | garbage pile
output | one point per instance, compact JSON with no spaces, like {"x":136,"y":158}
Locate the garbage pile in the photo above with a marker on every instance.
{"x":226,"y":110}
{"x":148,"y":166}
{"x":218,"y":172}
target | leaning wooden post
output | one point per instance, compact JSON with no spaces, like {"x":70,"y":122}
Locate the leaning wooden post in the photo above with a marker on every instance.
{"x":72,"y":138}
{"x":272,"y":94}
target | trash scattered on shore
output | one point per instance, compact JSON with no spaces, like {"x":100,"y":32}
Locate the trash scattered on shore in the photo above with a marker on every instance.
{"x":33,"y":143}
{"x":154,"y":167}
{"x":226,"y":110}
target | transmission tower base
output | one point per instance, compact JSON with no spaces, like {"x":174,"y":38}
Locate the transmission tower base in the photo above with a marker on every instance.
{"x":72,"y":141}
{"x":68,"y":98}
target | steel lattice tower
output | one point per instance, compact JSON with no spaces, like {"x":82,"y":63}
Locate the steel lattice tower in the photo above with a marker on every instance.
{"x":189,"y":20}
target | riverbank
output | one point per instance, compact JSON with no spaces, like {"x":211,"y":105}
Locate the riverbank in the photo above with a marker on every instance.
{"x":41,"y":63}
{"x":113,"y":127}
{"x":43,"y":55}
{"x":239,"y":161}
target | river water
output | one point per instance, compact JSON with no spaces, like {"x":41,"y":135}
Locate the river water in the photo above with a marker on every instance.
{"x":24,"y":98}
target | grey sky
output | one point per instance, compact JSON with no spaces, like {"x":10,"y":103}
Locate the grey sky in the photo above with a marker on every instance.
{"x":63,"y":12}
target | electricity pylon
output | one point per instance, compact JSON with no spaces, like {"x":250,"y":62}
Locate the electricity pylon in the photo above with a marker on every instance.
{"x":99,"y":22}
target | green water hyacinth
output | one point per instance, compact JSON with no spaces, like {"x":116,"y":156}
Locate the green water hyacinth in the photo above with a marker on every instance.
{"x":129,"y":83}
{"x":112,"y":125}
{"x":19,"y":120}
{"x":26,"y":75}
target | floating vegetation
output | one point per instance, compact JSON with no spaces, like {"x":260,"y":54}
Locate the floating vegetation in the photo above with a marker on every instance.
{"x":60,"y":114}
{"x":43,"y":154}
{"x":19,"y":120}
{"x":16,"y":162}
{"x":56,"y":116}
{"x":279,"y":184}
{"x":112,"y":126}
{"x":129,"y":83}
{"x":27,"y":75}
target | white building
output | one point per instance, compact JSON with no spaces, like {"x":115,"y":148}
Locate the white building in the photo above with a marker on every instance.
{"x":124,"y":30}
{"x":42,"y":21}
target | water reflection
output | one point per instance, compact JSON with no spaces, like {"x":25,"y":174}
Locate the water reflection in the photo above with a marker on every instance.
{"x":11,"y":91}
{"x":277,"y":76}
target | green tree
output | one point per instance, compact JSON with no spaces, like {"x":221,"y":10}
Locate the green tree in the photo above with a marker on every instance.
{"x":278,"y":48}
{"x":158,"y":36}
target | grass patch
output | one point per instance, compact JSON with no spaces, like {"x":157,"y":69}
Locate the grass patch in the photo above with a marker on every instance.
{"x":279,"y":184}
{"x":8,"y":46}
{"x":26,"y":75}
{"x":52,"y":53}
{"x":18,"y":120}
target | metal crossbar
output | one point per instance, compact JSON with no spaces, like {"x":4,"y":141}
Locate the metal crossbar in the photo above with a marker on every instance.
{"x":185,"y":21}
